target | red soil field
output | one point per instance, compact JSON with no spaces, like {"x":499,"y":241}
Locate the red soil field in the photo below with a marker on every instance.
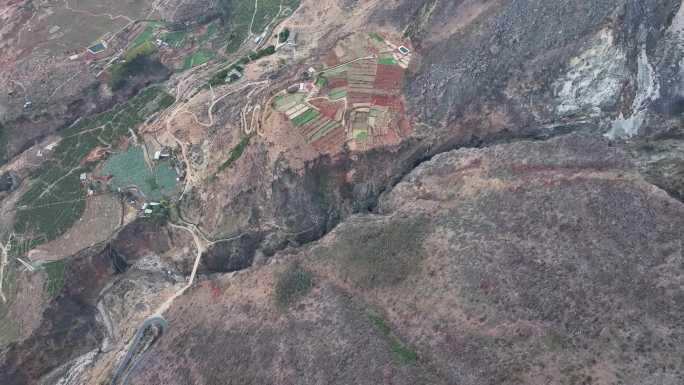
{"x":393,"y":102}
{"x":389,"y":77}
{"x":358,"y":97}
{"x":334,"y":83}
{"x":327,"y":108}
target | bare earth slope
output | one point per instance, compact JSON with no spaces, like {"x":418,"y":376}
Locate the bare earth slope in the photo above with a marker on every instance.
{"x":529,"y":263}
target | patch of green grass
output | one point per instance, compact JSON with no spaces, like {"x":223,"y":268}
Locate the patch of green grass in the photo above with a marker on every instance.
{"x":402,"y":353}
{"x":55,"y":277}
{"x":292,"y":284}
{"x":198,"y":57}
{"x":338,"y":93}
{"x":235,"y":153}
{"x":305,"y":117}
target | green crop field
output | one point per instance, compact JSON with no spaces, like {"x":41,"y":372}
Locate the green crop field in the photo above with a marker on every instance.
{"x":198,"y":57}
{"x":360,"y":134}
{"x":305,"y":117}
{"x":55,"y":277}
{"x":55,"y":199}
{"x":238,"y":15}
{"x":211,"y":32}
{"x":146,"y":35}
{"x":338,"y":93}
{"x":387,"y":60}
{"x":175,"y":39}
{"x":285,"y":102}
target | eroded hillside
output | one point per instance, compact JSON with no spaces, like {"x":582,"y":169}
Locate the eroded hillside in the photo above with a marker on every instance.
{"x":286,"y":192}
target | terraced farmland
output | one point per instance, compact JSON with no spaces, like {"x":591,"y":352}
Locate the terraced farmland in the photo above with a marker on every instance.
{"x":55,"y":198}
{"x":356,"y":101}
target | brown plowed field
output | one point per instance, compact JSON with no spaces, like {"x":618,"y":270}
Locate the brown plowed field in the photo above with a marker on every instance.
{"x":331,"y":142}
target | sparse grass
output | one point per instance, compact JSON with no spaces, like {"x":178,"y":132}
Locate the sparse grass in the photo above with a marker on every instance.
{"x":305,"y":117}
{"x":402,"y":353}
{"x":212,"y":29}
{"x":266,"y":12}
{"x":378,"y":254}
{"x":9,"y":328}
{"x":235,"y":153}
{"x":3,"y":144}
{"x":292,"y":284}
{"x":376,"y":36}
{"x":237,"y":15}
{"x":55,"y":278}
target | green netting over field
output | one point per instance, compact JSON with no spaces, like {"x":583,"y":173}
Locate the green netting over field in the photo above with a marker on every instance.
{"x":129,"y":169}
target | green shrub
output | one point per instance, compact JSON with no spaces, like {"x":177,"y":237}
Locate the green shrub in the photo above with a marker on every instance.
{"x":283,"y":35}
{"x":292,"y":284}
{"x":401,"y":352}
{"x":235,"y":153}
